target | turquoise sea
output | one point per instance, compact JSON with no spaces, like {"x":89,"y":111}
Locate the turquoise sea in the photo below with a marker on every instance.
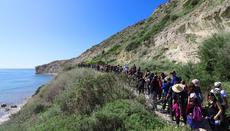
{"x":18,"y":84}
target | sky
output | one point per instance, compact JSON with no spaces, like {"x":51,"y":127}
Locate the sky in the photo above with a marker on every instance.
{"x":35,"y":32}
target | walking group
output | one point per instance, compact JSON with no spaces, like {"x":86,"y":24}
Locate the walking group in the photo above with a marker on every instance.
{"x":183,"y":102}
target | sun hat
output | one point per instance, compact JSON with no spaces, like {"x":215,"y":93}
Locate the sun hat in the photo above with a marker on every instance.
{"x":193,"y":95}
{"x":178,"y":88}
{"x":217,"y":84}
{"x":168,"y":78}
{"x":196,"y":82}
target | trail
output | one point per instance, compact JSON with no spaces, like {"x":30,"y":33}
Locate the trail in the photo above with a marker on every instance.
{"x":164,"y":117}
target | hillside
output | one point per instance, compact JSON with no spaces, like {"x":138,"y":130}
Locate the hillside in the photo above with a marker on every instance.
{"x":191,"y":32}
{"x":84,"y":99}
{"x":173,"y":33}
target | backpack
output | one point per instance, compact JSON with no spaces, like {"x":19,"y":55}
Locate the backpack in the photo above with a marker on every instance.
{"x":217,"y":94}
{"x":197,"y":113}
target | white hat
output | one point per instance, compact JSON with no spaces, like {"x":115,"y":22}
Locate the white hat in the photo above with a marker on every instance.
{"x":178,"y":88}
{"x":215,"y":90}
{"x":196,"y":82}
{"x":193,"y":95}
{"x":167,"y":78}
{"x":217,"y":84}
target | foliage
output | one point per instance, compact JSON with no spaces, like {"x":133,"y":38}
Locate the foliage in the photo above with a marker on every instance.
{"x":163,"y":65}
{"x":215,"y":60}
{"x":92,"y":93}
{"x":157,"y":27}
{"x":114,"y":49}
{"x":189,"y":5}
{"x":126,"y":115}
{"x":214,"y":55}
{"x":192,"y":71}
{"x":86,"y":100}
{"x":133,"y":45}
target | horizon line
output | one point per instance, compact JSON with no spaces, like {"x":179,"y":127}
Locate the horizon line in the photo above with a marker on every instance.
{"x":3,"y":68}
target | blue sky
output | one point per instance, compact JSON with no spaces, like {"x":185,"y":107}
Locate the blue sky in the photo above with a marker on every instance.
{"x":34,"y":32}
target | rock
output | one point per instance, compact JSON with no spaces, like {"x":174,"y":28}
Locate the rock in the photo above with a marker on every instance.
{"x":7,"y":109}
{"x":3,"y":105}
{"x":14,"y":106}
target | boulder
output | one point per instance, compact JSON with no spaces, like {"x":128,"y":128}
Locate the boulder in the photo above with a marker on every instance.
{"x":3,"y":105}
{"x":14,"y":106}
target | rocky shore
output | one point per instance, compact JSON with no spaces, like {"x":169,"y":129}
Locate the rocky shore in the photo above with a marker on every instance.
{"x":6,"y":110}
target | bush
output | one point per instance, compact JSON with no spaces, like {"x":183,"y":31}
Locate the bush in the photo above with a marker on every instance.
{"x":215,"y":61}
{"x":133,"y":45}
{"x":92,"y":93}
{"x":39,"y":108}
{"x":173,"y":17}
{"x":192,"y":71}
{"x":190,"y":4}
{"x":126,"y":115}
{"x":115,"y":48}
{"x":214,"y":56}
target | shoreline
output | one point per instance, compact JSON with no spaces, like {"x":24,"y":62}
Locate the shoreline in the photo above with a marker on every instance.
{"x":8,"y":111}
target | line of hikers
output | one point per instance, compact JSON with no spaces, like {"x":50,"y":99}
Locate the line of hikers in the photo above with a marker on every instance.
{"x":183,"y":101}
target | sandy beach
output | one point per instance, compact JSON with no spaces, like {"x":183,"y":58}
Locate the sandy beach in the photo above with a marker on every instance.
{"x":7,"y":111}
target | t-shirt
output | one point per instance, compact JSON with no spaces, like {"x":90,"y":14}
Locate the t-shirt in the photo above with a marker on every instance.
{"x":223,"y":94}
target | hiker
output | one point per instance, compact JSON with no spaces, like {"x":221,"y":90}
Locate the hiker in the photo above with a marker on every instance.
{"x":155,"y":87}
{"x":147,"y":80}
{"x":197,"y":90}
{"x":163,"y":76}
{"x":165,"y":87}
{"x":148,"y":83}
{"x":194,"y":112}
{"x":179,"y":97}
{"x":141,"y":83}
{"x":221,"y":95}
{"x":175,"y":78}
{"x":158,"y":87}
{"x":214,"y":110}
{"x":126,"y":69}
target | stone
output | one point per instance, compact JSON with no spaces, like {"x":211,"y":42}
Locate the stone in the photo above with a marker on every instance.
{"x":14,"y":106}
{"x":3,"y":105}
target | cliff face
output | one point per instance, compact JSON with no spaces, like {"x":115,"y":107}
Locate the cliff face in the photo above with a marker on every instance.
{"x":53,"y":67}
{"x":173,"y":32}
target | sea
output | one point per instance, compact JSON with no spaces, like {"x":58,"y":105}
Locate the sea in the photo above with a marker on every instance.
{"x":17,"y":85}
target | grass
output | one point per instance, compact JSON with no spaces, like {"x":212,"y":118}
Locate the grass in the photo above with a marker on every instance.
{"x":133,"y":45}
{"x":114,"y":49}
{"x":146,"y":34}
{"x":83,"y":99}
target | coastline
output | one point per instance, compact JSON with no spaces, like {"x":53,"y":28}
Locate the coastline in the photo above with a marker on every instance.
{"x":8,"y":111}
{"x":34,"y":82}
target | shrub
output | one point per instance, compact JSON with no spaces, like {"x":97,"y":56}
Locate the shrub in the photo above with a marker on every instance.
{"x":126,"y":115}
{"x":190,"y":4}
{"x":192,"y":71}
{"x":173,"y":17}
{"x":92,"y":93}
{"x":115,"y":48}
{"x":214,"y":56}
{"x":39,"y":108}
{"x":133,"y":45}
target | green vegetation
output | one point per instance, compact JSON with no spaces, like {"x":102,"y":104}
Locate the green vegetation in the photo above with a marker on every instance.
{"x":215,"y":61}
{"x":114,"y":49}
{"x":190,"y":5}
{"x":146,"y":34}
{"x":83,"y":99}
{"x":215,"y":58}
{"x":163,"y":65}
{"x":169,"y":18}
{"x":133,"y":45}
